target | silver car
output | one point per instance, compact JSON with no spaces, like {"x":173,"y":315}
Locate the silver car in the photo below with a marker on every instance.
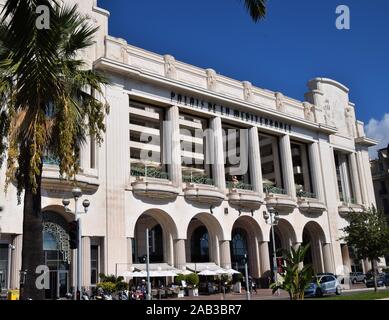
{"x":356,"y":277}
{"x":323,"y":284}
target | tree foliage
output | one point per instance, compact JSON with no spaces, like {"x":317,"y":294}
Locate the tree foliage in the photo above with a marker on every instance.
{"x":49,"y":100}
{"x":368,"y":234}
{"x":295,"y":278}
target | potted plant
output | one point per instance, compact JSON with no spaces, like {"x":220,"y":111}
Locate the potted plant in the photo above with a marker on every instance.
{"x":193,"y":283}
{"x":180,"y":281}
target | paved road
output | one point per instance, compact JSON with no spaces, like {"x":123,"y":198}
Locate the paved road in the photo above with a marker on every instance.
{"x":266,"y":294}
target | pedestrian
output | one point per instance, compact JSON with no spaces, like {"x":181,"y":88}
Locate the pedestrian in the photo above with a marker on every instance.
{"x":254,"y":286}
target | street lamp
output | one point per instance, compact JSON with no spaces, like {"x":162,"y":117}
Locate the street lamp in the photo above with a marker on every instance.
{"x":272,"y":215}
{"x":77,"y":193}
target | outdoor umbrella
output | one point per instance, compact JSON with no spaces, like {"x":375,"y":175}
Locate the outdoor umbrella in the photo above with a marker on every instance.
{"x":207,"y":273}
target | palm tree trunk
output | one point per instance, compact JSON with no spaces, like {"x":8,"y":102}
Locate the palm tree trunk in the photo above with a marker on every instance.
{"x":32,"y":251}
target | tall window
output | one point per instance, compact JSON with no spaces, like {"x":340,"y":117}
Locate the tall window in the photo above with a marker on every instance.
{"x":156,"y":244}
{"x":239,"y":248}
{"x":343,"y":175}
{"x":270,"y":162}
{"x":194,"y":149}
{"x":146,"y":123}
{"x":3,"y":266}
{"x":94,"y":264}
{"x":200,"y":245}
{"x":301,"y":170}
{"x":235,"y":145}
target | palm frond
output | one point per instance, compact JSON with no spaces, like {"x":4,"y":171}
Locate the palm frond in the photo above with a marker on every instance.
{"x":256,"y":9}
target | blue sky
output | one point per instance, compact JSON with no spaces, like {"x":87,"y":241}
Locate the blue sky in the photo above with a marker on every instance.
{"x":297,"y":41}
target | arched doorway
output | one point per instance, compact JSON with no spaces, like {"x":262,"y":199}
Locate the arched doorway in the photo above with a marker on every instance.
{"x":156,"y":240}
{"x":246,"y":236}
{"x":203,"y":236}
{"x":57,"y":254}
{"x":313,"y":234}
{"x":162,"y":231}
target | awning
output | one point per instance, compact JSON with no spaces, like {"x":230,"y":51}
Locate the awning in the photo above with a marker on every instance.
{"x":208,"y":273}
{"x":155,"y":269}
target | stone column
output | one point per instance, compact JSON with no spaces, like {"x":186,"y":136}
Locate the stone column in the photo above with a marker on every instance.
{"x":355,"y":178}
{"x":316,"y":173}
{"x":129,"y":253}
{"x":179,"y":254}
{"x":86,"y":262}
{"x":346,"y":257}
{"x":255,"y":161}
{"x":172,"y":145}
{"x":265,"y":258}
{"x":367,"y":265}
{"x":225,"y":254}
{"x":16,"y":261}
{"x":327,"y":257}
{"x":345,"y":177}
{"x":217,"y":152}
{"x":361,"y":174}
{"x":287,"y":166}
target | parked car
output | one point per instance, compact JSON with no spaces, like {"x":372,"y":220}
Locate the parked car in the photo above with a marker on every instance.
{"x":356,"y":277}
{"x":323,"y":284}
{"x":382,"y":280}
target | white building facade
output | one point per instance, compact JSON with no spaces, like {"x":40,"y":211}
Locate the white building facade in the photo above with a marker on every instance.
{"x":203,"y":203}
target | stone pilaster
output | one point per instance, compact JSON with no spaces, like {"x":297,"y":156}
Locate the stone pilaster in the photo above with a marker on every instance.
{"x":287,"y":166}
{"x":16,"y":261}
{"x":355,"y":178}
{"x":225,"y":254}
{"x":179,"y":254}
{"x":265,"y":258}
{"x":172,"y":143}
{"x":316,"y":173}
{"x":255,"y":161}
{"x":86,"y":262}
{"x":327,"y":258}
{"x":362,"y":178}
{"x":216,"y":147}
{"x":116,"y":143}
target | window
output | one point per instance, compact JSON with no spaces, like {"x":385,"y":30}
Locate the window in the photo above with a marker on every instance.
{"x":235,"y":145}
{"x":4,"y":266}
{"x":199,"y":245}
{"x":145,"y":134}
{"x":383,"y":189}
{"x":194,"y":149}
{"x":92,"y":152}
{"x":385,"y":203}
{"x":343,"y":175}
{"x":270,"y":161}
{"x":94,"y":264}
{"x":301,"y":170}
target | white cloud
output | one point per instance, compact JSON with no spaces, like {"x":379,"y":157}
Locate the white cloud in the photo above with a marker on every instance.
{"x":378,"y":130}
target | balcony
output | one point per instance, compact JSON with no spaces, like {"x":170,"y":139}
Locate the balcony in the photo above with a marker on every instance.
{"x":270,"y":188}
{"x":345,"y":209}
{"x":87,"y":180}
{"x":242,"y":195}
{"x":152,"y":183}
{"x":201,"y":189}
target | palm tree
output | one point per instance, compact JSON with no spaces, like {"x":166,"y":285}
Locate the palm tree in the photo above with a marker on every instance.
{"x":296,"y":277}
{"x":256,"y":9}
{"x":49,"y":102}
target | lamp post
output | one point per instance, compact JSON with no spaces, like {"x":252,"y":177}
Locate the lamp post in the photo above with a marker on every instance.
{"x":77,"y":193}
{"x":272,"y":215}
{"x":148,"y":296}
